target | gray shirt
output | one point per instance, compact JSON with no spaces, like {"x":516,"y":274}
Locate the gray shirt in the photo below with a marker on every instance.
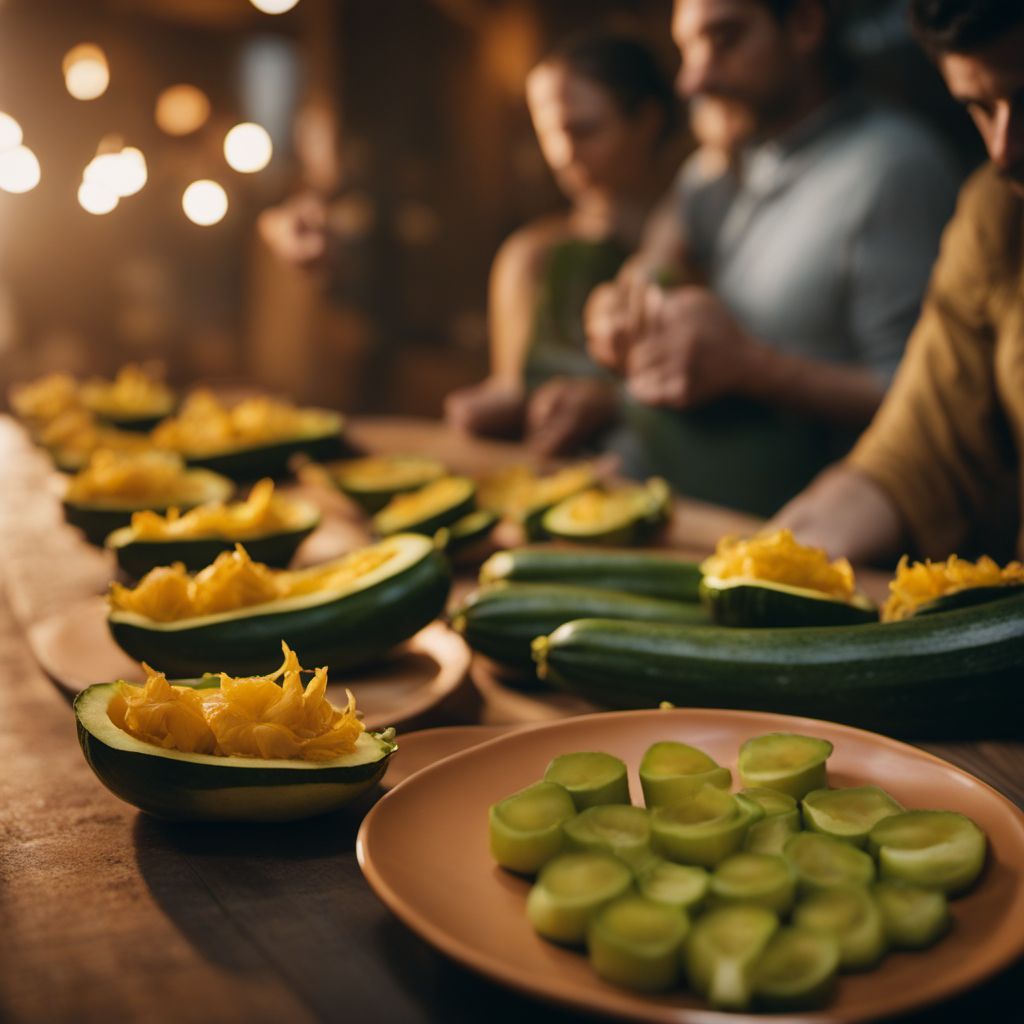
{"x":823,"y":243}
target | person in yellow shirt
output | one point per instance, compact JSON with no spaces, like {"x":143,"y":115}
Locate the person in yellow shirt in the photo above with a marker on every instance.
{"x":941,"y":467}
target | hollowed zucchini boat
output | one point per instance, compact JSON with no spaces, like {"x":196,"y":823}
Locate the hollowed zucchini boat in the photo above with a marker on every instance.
{"x":373,"y":481}
{"x":343,"y":613}
{"x":771,"y":580}
{"x":134,"y":400}
{"x":923,"y":588}
{"x":271,"y":527}
{"x":168,"y":782}
{"x":428,"y":509}
{"x":624,"y":516}
{"x":516,"y":493}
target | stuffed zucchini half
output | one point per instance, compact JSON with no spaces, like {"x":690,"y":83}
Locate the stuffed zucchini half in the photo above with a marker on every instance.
{"x":923,"y":588}
{"x":771,"y":580}
{"x":625,"y":516}
{"x":372,"y":482}
{"x":223,"y":749}
{"x":234,"y":614}
{"x":270,"y":525}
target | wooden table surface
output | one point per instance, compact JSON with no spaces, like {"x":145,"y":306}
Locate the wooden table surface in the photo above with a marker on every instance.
{"x":108,"y":915}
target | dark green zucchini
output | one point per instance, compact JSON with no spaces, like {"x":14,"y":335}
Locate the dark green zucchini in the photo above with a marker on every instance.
{"x":428,"y":509}
{"x":633,"y":572}
{"x":467,"y":532}
{"x":339,"y":628}
{"x":954,"y":673}
{"x":501,"y":621}
{"x":761,"y":603}
{"x":968,"y":597}
{"x":256,"y":461}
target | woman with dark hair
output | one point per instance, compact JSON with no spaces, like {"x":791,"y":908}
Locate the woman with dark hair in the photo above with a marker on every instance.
{"x":602,"y":110}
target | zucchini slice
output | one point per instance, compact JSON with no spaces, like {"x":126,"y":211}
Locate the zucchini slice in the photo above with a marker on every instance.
{"x":848,"y":813}
{"x":937,"y":849}
{"x":636,"y":943}
{"x":781,"y":820}
{"x":204,"y":787}
{"x":759,"y":603}
{"x":633,"y":572}
{"x":914,"y":918}
{"x":427,"y":509}
{"x":797,"y":970}
{"x":373,"y":481}
{"x":618,"y":829}
{"x":788,"y":762}
{"x":760,"y":879}
{"x":628,"y":515}
{"x":821,"y":862}
{"x":526,"y":827}
{"x":341,"y":627}
{"x":852,"y":917}
{"x":98,"y":519}
{"x":702,"y":830}
{"x":682,"y":886}
{"x":671,"y":772}
{"x":591,"y":777}
{"x":570,"y":889}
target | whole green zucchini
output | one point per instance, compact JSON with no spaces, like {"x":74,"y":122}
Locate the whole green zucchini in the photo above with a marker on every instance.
{"x":955,"y":673}
{"x":634,"y":572}
{"x":501,"y":621}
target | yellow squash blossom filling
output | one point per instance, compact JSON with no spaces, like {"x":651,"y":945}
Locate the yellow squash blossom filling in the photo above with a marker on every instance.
{"x":516,"y":490}
{"x":918,"y":583}
{"x":131,"y":392}
{"x":269,"y":717}
{"x":380,"y":472}
{"x":433,"y":497}
{"x":141,"y":476}
{"x":75,"y":436}
{"x":261,"y":513}
{"x":45,"y":399}
{"x":778,"y":558}
{"x":205,"y":425}
{"x":234,"y":580}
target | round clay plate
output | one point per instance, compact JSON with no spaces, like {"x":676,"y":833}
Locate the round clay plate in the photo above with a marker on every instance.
{"x":450,"y":891}
{"x":75,"y":649}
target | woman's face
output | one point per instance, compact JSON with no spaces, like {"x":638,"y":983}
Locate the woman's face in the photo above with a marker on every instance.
{"x":588,"y":142}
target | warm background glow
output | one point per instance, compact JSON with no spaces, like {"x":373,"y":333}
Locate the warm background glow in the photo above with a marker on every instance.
{"x":204,"y":202}
{"x":273,"y":6}
{"x":19,"y":170}
{"x":182,"y":109}
{"x":86,"y":73}
{"x":10,"y":133}
{"x":96,"y":197}
{"x":247,"y":148}
{"x":120,"y":173}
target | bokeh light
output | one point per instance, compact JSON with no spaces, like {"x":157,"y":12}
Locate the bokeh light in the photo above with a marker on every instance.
{"x":123,"y":172}
{"x":19,"y":170}
{"x":86,"y":73}
{"x":247,"y":148}
{"x":96,"y":197}
{"x":10,"y":133}
{"x":181,"y":109}
{"x":204,"y":202}
{"x":273,"y":6}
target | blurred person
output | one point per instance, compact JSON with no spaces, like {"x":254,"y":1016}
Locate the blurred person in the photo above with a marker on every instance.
{"x":602,"y":111}
{"x":803,"y":261}
{"x":941,"y":468}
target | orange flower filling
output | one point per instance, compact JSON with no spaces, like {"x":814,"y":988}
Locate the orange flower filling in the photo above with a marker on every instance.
{"x":918,"y":583}
{"x":778,"y":558}
{"x":270,"y":717}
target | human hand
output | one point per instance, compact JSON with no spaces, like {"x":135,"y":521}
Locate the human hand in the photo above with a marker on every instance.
{"x":296,"y":231}
{"x":690,"y":350}
{"x":607,"y":321}
{"x":492,"y":407}
{"x":565,"y":412}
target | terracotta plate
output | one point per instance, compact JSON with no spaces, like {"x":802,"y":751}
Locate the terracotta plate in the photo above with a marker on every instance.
{"x":423,"y":848}
{"x":75,"y":649}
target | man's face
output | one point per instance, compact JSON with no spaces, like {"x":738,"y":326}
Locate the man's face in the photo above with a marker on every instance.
{"x":736,"y":51}
{"x":990,"y":83}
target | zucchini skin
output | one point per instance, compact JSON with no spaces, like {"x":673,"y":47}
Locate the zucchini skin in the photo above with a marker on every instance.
{"x":501,"y":621}
{"x":348,"y":631}
{"x":752,"y":605}
{"x":271,"y":460}
{"x":952,"y":674}
{"x":640,"y":573}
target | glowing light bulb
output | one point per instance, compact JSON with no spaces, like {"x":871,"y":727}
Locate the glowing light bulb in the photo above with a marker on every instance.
{"x":204,"y":202}
{"x":19,"y":170}
{"x":247,"y":148}
{"x":273,"y":6}
{"x":10,"y":133}
{"x":86,"y":73}
{"x":181,"y":109}
{"x":96,"y":197}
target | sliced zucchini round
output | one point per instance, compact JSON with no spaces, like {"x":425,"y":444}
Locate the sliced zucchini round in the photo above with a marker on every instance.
{"x":340,"y":627}
{"x":797,"y":970}
{"x":913,"y":917}
{"x":761,"y":603}
{"x":770,"y":835}
{"x":98,"y":519}
{"x":136,"y":557}
{"x":591,"y":777}
{"x":848,"y":813}
{"x":785,"y":761}
{"x":373,"y":481}
{"x":618,"y":829}
{"x":761,"y":879}
{"x":204,"y":787}
{"x":426,"y":510}
{"x":625,"y":516}
{"x":526,"y":828}
{"x":683,"y":886}
{"x":671,"y":772}
{"x":850,"y":915}
{"x":937,"y":849}
{"x":703,"y":830}
{"x":822,"y":862}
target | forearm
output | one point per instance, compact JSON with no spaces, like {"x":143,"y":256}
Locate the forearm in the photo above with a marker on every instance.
{"x":844,"y":395}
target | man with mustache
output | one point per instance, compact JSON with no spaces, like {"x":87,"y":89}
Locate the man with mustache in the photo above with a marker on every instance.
{"x":941,"y":467}
{"x":808,"y":260}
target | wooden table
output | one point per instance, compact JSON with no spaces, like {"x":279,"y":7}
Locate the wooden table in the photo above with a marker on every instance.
{"x":108,"y":915}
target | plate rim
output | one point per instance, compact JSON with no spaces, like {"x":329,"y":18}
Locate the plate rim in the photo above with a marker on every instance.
{"x":516,"y":979}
